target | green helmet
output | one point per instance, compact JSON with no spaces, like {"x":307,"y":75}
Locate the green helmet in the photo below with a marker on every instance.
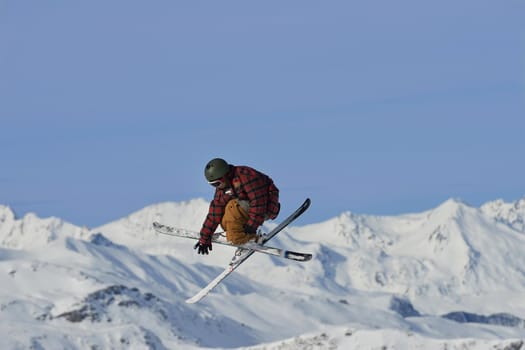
{"x":215,"y":169}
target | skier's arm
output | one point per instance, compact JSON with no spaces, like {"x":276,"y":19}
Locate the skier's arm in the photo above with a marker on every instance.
{"x":215,"y":213}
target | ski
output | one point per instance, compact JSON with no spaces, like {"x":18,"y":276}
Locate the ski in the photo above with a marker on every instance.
{"x":218,"y":238}
{"x":179,"y":232}
{"x":242,"y":254}
{"x":282,"y":253}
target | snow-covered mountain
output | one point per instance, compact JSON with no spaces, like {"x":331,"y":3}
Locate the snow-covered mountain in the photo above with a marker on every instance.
{"x":451,"y":277}
{"x":512,"y":214}
{"x":32,"y":231}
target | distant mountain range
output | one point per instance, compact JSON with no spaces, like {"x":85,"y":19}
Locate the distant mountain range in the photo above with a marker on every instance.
{"x":452,"y":277}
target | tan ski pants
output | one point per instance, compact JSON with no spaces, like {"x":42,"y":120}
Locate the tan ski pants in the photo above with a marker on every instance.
{"x":235,"y":216}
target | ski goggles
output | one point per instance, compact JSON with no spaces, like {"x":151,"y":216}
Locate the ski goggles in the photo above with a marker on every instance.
{"x":216,"y":183}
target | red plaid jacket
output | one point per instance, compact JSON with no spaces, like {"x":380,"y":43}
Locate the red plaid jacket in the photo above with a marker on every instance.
{"x":247,"y":184}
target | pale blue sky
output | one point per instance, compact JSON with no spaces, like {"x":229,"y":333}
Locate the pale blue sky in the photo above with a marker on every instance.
{"x":377,"y":107}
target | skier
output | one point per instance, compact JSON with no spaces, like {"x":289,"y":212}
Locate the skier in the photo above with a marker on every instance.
{"x":244,"y":198}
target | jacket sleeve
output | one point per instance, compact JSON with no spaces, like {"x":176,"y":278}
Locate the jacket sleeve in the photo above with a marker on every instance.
{"x":215,"y":213}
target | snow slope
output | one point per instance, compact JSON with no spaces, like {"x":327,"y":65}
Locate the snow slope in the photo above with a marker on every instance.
{"x":451,"y":277}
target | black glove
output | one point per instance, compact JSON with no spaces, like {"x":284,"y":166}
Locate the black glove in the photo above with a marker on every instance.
{"x":203,"y":245}
{"x":249,"y":229}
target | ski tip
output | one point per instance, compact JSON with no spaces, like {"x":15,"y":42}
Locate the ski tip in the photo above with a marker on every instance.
{"x":194,"y":299}
{"x":298,"y":256}
{"x":306,"y":204}
{"x":197,"y":297}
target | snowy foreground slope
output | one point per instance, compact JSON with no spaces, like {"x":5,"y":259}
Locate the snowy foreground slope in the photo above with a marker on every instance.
{"x":449,"y":278}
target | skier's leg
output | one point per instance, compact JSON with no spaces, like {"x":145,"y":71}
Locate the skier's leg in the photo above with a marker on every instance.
{"x":235,"y":216}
